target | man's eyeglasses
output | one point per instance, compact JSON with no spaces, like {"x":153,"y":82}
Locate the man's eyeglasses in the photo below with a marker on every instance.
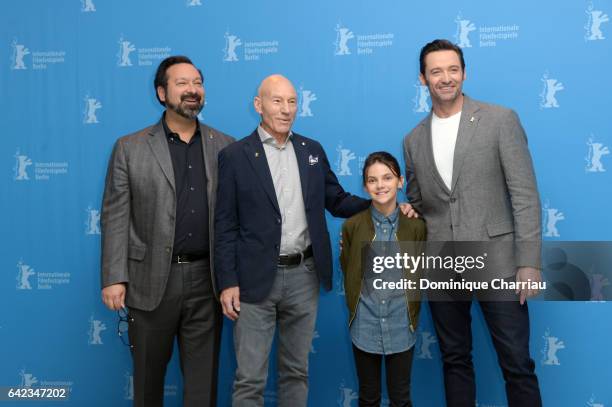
{"x":123,"y":325}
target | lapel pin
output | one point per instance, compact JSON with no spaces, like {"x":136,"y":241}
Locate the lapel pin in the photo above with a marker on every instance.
{"x":210,"y":135}
{"x":256,"y":154}
{"x":472,"y":119}
{"x":303,"y":143}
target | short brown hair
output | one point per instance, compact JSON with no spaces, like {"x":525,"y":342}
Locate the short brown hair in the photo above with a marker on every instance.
{"x":384,"y":158}
{"x":161,"y":78}
{"x":440,"y":45}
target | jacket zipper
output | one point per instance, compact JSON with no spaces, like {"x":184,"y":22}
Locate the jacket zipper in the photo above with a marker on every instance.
{"x":410,"y":322}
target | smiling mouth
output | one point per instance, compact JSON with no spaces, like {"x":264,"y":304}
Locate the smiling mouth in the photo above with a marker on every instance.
{"x":191,"y":98}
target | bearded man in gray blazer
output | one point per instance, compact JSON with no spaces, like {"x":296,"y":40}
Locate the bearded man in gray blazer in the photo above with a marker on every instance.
{"x":471,"y":178}
{"x":157,"y":230}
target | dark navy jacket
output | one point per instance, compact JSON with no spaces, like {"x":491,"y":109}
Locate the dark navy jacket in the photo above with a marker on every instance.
{"x":248,"y":219}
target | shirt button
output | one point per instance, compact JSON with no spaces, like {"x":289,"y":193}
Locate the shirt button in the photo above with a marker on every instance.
{"x":189,"y":166}
{"x":192,"y":188}
{"x":383,"y":301}
{"x":383,"y":320}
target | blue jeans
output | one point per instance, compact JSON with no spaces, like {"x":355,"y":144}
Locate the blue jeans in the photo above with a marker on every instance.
{"x":292,"y":304}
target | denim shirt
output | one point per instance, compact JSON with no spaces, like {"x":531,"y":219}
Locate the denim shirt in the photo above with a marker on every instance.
{"x":381,"y":322}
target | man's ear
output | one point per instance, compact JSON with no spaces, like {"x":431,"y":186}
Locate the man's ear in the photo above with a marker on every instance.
{"x":161,"y":93}
{"x":257,"y":104}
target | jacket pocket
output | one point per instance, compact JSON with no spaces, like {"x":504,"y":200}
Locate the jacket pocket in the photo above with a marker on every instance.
{"x":500,"y":228}
{"x":137,"y":252}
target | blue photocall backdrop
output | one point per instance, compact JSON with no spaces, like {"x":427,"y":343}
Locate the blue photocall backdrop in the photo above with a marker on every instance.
{"x":77,"y":74}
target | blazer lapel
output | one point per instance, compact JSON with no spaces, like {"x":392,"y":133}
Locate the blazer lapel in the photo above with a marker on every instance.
{"x":467,"y":128}
{"x":300,"y":146}
{"x":257,"y":157}
{"x":208,"y":151}
{"x":430,"y":155}
{"x":159,"y":145}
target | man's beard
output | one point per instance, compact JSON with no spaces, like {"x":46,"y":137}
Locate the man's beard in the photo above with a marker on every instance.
{"x":185,"y":111}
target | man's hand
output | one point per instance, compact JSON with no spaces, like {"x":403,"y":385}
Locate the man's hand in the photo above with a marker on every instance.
{"x":408,"y":210}
{"x":230,"y":300}
{"x":526,"y":274}
{"x":114,"y":296}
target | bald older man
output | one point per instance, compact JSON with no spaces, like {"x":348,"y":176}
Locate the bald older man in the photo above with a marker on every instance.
{"x":272,"y":245}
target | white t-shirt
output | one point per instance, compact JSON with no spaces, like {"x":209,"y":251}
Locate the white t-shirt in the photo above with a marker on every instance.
{"x":443,"y":139}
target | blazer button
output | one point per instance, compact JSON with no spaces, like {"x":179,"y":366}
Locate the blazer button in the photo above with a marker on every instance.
{"x":278,"y":220}
{"x":167,"y":250}
{"x":453,"y":200}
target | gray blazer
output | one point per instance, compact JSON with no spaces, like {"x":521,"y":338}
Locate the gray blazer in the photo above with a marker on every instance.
{"x":138,"y":212}
{"x":494,"y":194}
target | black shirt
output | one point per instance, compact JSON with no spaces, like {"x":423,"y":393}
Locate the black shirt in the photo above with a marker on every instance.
{"x":191,"y":227}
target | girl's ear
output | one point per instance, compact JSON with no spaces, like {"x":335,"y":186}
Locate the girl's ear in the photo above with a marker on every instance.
{"x":400,"y":183}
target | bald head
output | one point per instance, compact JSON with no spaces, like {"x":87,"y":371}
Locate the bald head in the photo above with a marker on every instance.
{"x":274,"y":82}
{"x":276,"y":102}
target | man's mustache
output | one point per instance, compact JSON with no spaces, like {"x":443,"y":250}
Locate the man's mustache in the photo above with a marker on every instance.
{"x":191,"y":96}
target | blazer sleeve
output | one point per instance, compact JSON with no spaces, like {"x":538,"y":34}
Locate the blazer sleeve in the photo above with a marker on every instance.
{"x":115,"y":219}
{"x":338,"y":202}
{"x":521,"y":183}
{"x":413,"y":191}
{"x":226,"y":225}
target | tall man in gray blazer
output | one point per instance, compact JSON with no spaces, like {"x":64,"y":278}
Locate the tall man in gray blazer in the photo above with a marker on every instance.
{"x":157,"y":240}
{"x":471,"y":177}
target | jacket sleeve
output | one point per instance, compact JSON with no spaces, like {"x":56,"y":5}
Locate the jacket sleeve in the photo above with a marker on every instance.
{"x":521,"y":183}
{"x":346,"y":248}
{"x":115,"y":219}
{"x":338,"y":202}
{"x":226,"y":225}
{"x":413,"y":192}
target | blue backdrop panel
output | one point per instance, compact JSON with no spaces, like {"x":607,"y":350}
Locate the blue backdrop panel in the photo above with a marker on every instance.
{"x":76,"y":75}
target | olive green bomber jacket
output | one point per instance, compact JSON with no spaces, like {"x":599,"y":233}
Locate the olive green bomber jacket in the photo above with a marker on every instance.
{"x":359,"y":229}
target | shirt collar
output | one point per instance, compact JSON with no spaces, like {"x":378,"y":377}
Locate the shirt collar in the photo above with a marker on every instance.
{"x":379,"y":217}
{"x":170,"y":134}
{"x":267,"y":138}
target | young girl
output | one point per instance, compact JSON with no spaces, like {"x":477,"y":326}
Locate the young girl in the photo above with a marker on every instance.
{"x":382,"y":322}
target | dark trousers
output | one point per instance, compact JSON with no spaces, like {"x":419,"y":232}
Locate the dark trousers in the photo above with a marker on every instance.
{"x":190,"y":312}
{"x":508,"y":324}
{"x":369,"y":371}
